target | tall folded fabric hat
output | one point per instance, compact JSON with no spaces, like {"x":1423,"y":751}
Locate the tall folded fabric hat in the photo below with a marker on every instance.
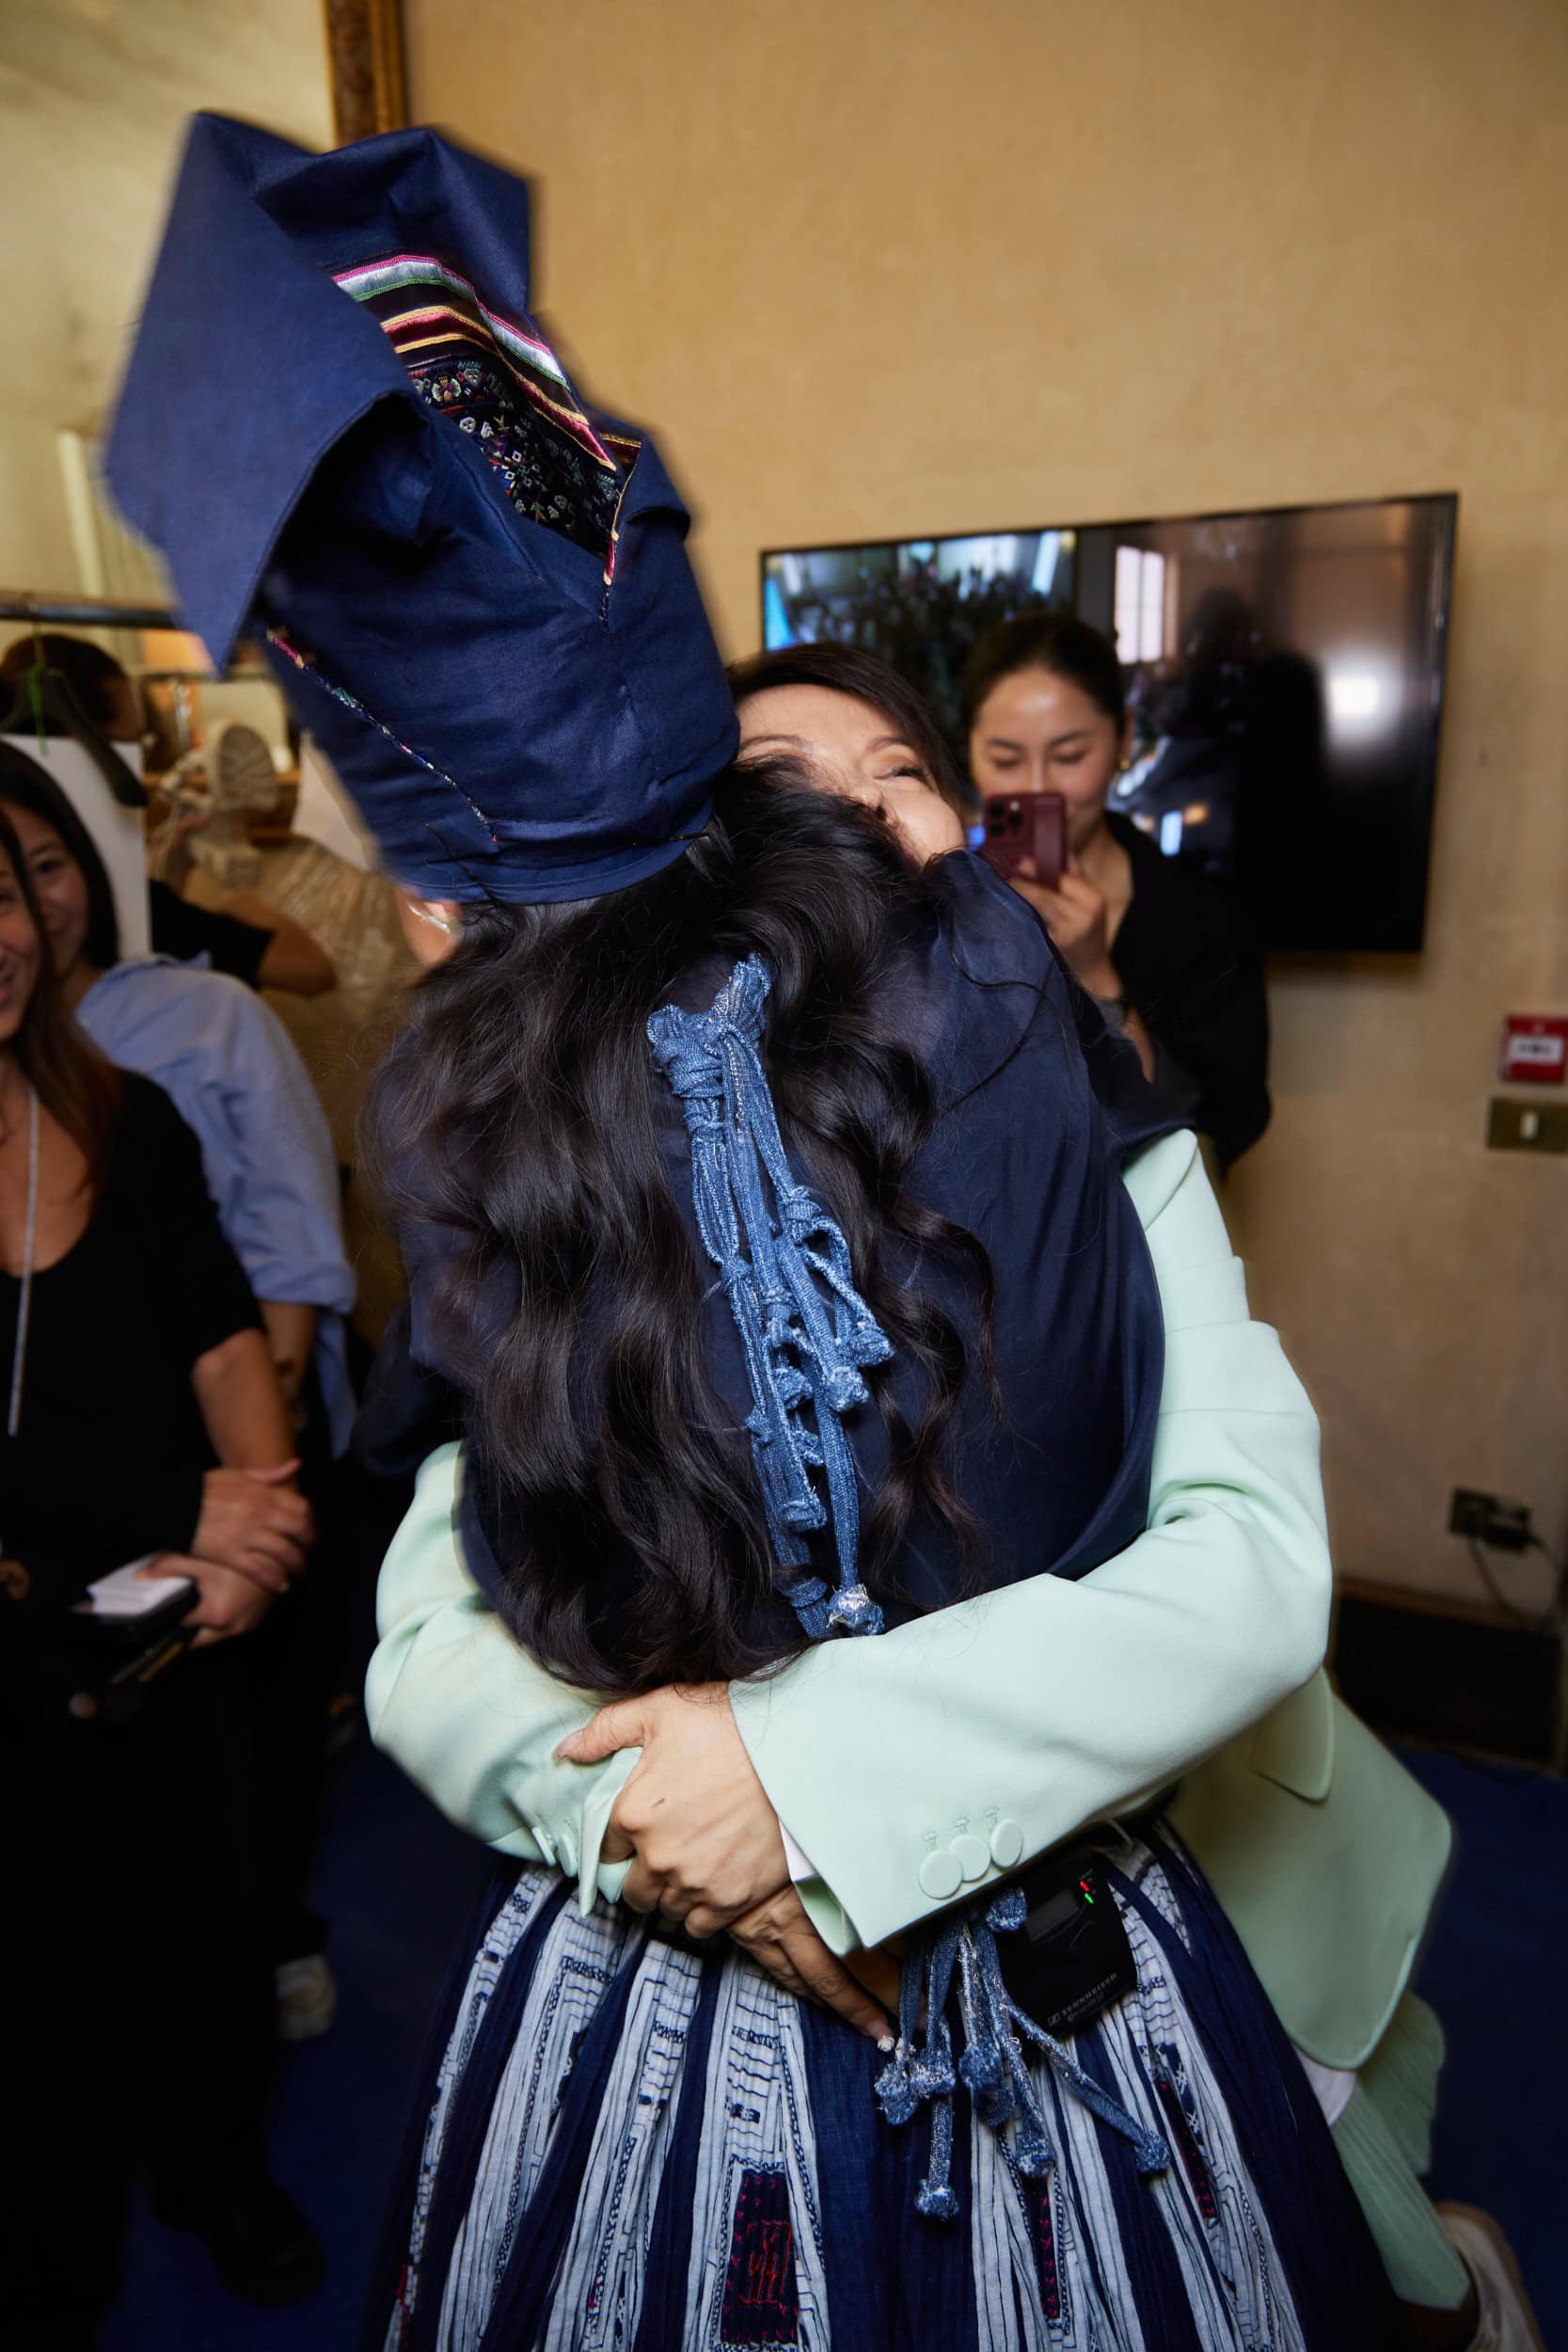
{"x":342,"y":428}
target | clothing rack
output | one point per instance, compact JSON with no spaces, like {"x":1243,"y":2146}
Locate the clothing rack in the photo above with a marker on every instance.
{"x":17,"y":604}
{"x":46,"y":611}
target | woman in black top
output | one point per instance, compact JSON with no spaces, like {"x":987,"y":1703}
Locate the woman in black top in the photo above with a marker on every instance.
{"x":1170,"y":957}
{"x":139,"y":1415}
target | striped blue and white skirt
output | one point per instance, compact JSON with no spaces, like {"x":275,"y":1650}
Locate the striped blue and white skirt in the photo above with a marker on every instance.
{"x":632,"y":2142}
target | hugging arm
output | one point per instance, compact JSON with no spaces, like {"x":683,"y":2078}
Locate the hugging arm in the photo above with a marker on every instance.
{"x":1046,"y":1705}
{"x":1019,"y":1716}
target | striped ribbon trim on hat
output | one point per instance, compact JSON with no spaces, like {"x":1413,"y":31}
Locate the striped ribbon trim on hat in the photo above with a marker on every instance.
{"x":500,"y":383}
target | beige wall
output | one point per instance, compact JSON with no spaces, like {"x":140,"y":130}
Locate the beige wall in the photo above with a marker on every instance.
{"x":92,"y":96}
{"x":950,"y":264}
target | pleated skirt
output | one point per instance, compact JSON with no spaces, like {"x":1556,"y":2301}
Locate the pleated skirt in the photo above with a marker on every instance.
{"x":632,"y":2142}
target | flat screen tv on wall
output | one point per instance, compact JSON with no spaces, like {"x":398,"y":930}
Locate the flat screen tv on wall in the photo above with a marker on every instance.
{"x":1284,"y":674}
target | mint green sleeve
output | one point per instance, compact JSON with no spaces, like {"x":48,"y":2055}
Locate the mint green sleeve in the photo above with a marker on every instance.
{"x":1037,"y":1708}
{"x":999,"y":1726}
{"x":471,"y":1717}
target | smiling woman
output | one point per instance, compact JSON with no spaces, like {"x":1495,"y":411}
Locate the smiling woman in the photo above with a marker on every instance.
{"x":1168,"y":956}
{"x":69,"y":886}
{"x":142,"y":1425}
{"x":859,"y":730}
{"x":47,"y":1071}
{"x":233,"y":1073}
{"x":18,"y":949}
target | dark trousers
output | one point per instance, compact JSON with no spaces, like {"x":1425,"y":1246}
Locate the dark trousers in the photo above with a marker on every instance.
{"x":136,"y":2006}
{"x":300,"y":1664}
{"x":295,"y":1669}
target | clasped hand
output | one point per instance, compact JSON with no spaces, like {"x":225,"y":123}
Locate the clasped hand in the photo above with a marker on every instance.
{"x":252,"y":1535}
{"x":226,"y":1602}
{"x":252,"y":1521}
{"x":705,"y":1848}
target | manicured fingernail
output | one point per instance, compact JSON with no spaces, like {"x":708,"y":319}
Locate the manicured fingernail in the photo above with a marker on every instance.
{"x":886,"y":2044}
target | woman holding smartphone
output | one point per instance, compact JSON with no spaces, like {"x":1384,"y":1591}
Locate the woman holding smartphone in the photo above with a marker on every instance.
{"x":1168,"y":955}
{"x":142,"y":1420}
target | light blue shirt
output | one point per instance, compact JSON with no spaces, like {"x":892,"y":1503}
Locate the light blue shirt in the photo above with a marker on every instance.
{"x":230,"y":1069}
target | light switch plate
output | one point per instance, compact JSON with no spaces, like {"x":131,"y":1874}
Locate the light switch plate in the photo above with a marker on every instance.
{"x":1526,"y":1126}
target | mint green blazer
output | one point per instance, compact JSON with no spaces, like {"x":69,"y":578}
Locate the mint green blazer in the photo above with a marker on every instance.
{"x":1011,"y":1721}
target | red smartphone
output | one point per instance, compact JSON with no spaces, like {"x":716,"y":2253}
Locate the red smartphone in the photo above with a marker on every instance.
{"x":1026,"y":824}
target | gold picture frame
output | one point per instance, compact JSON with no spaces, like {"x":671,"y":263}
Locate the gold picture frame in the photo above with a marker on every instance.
{"x":365,"y":65}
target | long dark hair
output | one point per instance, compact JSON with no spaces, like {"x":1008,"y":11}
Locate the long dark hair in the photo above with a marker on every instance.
{"x":1057,"y":641}
{"x":847,"y":670}
{"x":66,"y":1071}
{"x":518,"y":1114}
{"x":27,"y":786}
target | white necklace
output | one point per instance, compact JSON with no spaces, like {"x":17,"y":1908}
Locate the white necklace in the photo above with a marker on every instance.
{"x":25,"y":1302}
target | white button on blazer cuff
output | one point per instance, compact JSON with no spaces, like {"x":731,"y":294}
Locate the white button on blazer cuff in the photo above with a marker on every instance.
{"x":971,"y":1853}
{"x":940,"y":1875}
{"x":1006,"y":1845}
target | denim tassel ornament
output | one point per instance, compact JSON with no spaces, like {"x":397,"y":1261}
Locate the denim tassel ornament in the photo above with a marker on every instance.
{"x":806,"y":1331}
{"x":994,"y":2067}
{"x":807,"y":1335}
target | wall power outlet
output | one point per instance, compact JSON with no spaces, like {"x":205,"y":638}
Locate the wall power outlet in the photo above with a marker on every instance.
{"x":1488,"y":1519}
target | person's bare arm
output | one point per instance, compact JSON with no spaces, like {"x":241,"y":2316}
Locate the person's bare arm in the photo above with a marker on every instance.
{"x":1074,"y":915}
{"x":239,"y":1399}
{"x":251,"y":1520}
{"x":1132,"y":1026}
{"x":295,"y":959}
{"x":291,"y":1336}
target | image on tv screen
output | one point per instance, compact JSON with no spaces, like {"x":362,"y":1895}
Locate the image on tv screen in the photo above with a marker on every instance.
{"x":922,"y":604}
{"x":1284,"y":674}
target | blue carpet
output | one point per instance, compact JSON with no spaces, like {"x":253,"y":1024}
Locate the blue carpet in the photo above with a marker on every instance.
{"x":1493,"y":1973}
{"x":399,"y":1885}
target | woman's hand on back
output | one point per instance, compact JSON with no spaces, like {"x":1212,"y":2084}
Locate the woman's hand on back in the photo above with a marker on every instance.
{"x":780,"y":1937}
{"x":706,"y":1847}
{"x":694,"y":1817}
{"x":252,"y":1521}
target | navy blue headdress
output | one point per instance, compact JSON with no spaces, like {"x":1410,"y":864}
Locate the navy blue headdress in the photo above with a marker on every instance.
{"x":340,"y":425}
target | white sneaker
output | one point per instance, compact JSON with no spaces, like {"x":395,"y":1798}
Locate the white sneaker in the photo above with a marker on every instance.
{"x":307,"y":1998}
{"x":1507,"y":2322}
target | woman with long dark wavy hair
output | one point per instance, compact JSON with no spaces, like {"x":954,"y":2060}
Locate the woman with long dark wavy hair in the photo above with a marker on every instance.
{"x":1329,"y":1958}
{"x":935,"y":1095}
{"x":760,"y":1199}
